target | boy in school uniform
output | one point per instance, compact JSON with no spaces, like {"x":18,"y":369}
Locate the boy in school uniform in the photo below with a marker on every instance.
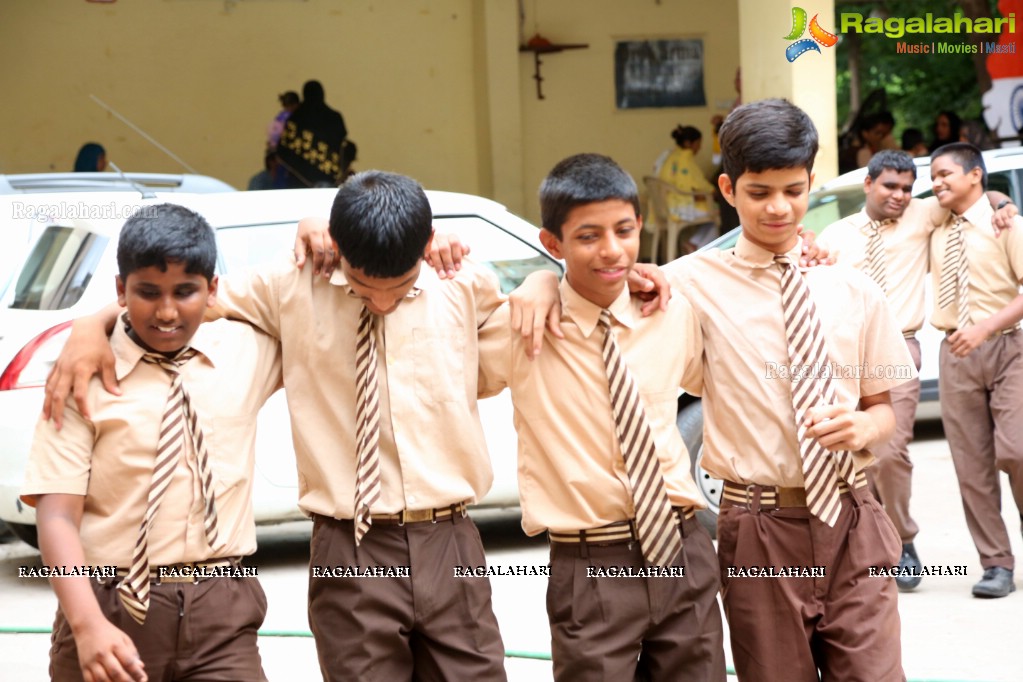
{"x":381,"y":363}
{"x":159,"y":482}
{"x":603,"y":469}
{"x":976,"y":277}
{"x":797,"y":368}
{"x":889,"y":240}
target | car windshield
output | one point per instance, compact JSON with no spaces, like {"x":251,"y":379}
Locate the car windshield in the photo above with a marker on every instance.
{"x":58,"y":268}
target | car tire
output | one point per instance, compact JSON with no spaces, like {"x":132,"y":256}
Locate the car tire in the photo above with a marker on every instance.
{"x":690,"y":424}
{"x":25,"y":532}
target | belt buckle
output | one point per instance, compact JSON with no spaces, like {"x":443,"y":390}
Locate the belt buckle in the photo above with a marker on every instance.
{"x":749,"y":494}
{"x":416,"y":515}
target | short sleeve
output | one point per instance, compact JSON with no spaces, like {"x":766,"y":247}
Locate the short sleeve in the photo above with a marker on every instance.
{"x":253,"y":295}
{"x":495,"y":349}
{"x":59,"y":461}
{"x":885,"y":356}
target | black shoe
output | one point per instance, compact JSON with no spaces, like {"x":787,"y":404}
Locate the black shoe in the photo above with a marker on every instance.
{"x":997,"y":582}
{"x":909,"y":569}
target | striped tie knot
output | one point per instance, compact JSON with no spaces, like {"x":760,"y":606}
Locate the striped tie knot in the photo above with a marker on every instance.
{"x":656,"y":522}
{"x":178,"y":423}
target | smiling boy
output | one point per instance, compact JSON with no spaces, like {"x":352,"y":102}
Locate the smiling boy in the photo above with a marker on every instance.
{"x":976,"y":275}
{"x":628,"y":597}
{"x":791,"y":447}
{"x":134,"y":488}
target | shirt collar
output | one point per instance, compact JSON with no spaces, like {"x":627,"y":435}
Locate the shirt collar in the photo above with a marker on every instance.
{"x":757,"y":257}
{"x":586,"y":314}
{"x":979,"y":214}
{"x":427,"y":279}
{"x":127,"y":353}
{"x":866,"y":221}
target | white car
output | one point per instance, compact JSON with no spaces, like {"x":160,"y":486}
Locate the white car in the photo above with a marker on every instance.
{"x":70,"y":269}
{"x":835,"y":200}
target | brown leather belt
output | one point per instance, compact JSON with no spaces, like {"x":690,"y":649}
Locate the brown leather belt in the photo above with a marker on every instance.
{"x":188,"y":572}
{"x":617,"y":533}
{"x":420,"y":515}
{"x":774,"y":496}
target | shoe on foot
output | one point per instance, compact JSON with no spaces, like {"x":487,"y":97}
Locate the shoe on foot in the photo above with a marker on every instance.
{"x":997,"y":582}
{"x":910,"y":567}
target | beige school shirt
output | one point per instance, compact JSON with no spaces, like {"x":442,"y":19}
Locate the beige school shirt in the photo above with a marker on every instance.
{"x":906,"y":243}
{"x":571,"y":472}
{"x":431,"y":445}
{"x":110,"y":460}
{"x":749,"y":427}
{"x":995,"y":264}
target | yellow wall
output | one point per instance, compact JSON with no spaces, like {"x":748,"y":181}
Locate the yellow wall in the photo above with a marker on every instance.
{"x":433,"y":88}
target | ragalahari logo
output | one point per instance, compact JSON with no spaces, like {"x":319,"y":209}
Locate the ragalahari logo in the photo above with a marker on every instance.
{"x":819,"y":35}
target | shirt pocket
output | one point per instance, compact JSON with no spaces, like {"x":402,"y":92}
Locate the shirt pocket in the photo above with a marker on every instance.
{"x":230,"y":443}
{"x":439,"y":365}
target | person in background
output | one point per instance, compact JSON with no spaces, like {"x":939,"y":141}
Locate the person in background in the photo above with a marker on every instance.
{"x":92,"y":158}
{"x":289,"y":102}
{"x":311,"y":144}
{"x":680,"y":170}
{"x":913,"y":142}
{"x":947,"y":128}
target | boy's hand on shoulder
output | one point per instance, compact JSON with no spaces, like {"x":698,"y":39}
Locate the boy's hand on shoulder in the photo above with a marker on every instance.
{"x":648,"y":283}
{"x":106,"y":653}
{"x":536,"y":305}
{"x":1002,"y":219}
{"x":313,"y":238}
{"x":86,"y":353}
{"x":838,"y":427}
{"x":445,"y":254}
{"x":813,"y":253}
{"x":965,"y":341}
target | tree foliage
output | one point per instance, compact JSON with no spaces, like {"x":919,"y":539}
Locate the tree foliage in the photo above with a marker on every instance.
{"x":917,"y":85}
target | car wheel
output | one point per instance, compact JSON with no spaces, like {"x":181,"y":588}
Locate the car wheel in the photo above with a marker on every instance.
{"x":25,"y":532}
{"x":690,"y":425}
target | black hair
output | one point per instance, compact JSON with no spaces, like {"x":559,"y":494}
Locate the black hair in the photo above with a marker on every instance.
{"x":966,"y":156}
{"x":685,"y":134}
{"x":890,"y":159}
{"x":167,"y":233}
{"x":381,"y":222}
{"x":911,"y":137}
{"x":579,"y":180}
{"x":767,"y":135}
{"x":312,"y":92}
{"x":878,"y":118}
{"x":88,"y":157}
{"x":289,"y":99}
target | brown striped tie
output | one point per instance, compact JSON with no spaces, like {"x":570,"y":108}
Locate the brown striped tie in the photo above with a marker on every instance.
{"x":656,"y":523}
{"x":367,"y":430}
{"x":811,"y":386}
{"x":178,"y":417}
{"x":954,"y":285}
{"x":875,"y":266}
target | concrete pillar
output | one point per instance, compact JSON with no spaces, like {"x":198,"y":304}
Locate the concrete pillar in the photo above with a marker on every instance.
{"x":808,"y":82}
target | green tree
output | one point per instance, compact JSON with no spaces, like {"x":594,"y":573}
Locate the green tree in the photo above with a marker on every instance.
{"x":917,"y":85}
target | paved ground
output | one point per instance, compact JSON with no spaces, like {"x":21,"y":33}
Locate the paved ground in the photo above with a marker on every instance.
{"x":948,"y":636}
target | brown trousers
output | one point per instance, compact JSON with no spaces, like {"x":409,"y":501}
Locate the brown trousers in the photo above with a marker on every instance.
{"x":193,"y":631}
{"x":890,"y":477}
{"x":430,"y":625}
{"x":842,"y":627}
{"x":619,"y":629}
{"x":982,"y":411}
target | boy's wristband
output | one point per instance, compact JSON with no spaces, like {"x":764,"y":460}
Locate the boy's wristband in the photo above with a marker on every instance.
{"x":1003,"y":203}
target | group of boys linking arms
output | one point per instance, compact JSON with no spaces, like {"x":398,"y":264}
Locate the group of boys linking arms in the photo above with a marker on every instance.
{"x":605,"y":473}
{"x":891,"y":240}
